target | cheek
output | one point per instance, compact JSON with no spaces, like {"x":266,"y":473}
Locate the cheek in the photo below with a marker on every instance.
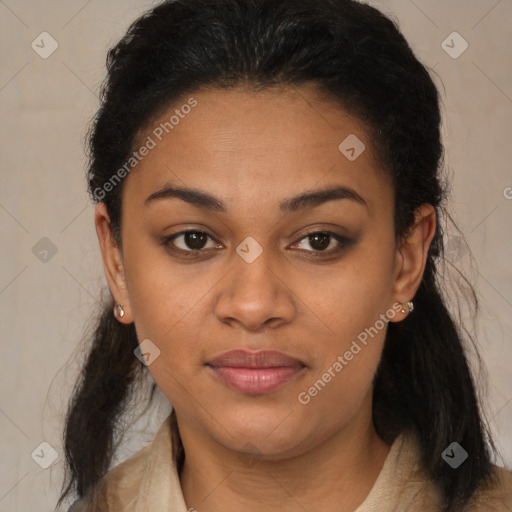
{"x":351,"y":296}
{"x":165,"y":303}
{"x":347,"y":362}
{"x":361,"y":290}
{"x":159,"y":292}
{"x":167,"y":311}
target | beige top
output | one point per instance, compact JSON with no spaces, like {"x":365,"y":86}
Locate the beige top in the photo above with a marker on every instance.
{"x":149,"y":482}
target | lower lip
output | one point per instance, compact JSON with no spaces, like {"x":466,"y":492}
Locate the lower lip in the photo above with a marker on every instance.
{"x":256,"y":381}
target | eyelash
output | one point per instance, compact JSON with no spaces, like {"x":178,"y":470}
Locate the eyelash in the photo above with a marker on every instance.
{"x":195,"y":253}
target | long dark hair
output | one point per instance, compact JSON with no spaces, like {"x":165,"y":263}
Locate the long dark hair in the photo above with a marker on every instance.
{"x":359,"y":59}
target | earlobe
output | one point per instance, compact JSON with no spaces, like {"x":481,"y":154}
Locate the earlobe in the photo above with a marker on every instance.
{"x":113,"y":264}
{"x":119,"y":313}
{"x":412,"y":256}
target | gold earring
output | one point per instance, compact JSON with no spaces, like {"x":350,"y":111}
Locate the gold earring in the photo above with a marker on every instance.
{"x":119,"y":310}
{"x":408,"y":307}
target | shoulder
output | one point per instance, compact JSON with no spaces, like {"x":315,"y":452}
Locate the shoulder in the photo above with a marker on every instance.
{"x":123,"y":487}
{"x":416,"y":490}
{"x":119,"y":488}
{"x":496,"y":495}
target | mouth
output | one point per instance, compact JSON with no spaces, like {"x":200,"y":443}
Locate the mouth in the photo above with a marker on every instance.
{"x":255,"y":373}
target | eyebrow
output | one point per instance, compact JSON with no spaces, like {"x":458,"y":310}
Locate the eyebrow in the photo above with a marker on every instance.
{"x":203,"y":200}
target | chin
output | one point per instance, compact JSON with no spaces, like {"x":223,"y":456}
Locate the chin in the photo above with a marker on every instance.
{"x":269,"y":432}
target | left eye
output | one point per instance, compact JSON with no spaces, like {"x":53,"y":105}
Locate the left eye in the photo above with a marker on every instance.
{"x":320,"y":241}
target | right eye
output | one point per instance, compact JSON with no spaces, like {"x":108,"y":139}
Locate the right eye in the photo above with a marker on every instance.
{"x":192,"y":241}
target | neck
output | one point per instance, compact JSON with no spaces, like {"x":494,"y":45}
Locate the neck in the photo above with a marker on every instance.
{"x":335,"y":475}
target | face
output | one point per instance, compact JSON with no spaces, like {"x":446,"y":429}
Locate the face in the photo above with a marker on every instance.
{"x":241,"y":265}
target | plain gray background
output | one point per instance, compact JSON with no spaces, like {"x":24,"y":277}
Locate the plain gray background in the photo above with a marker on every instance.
{"x":45,"y":305}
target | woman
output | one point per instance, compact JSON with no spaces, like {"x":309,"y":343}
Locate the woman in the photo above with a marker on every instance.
{"x":267,"y":179}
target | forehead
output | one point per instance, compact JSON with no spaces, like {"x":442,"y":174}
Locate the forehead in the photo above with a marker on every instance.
{"x":265,"y":145}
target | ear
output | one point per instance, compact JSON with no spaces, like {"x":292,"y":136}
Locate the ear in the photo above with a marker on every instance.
{"x":112,"y":262}
{"x":411,"y":256}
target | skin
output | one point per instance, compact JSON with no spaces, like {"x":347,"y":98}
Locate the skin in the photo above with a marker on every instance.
{"x":252,"y":150}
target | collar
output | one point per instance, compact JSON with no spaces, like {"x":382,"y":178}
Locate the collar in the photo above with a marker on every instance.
{"x":160,"y":487}
{"x":400,"y":481}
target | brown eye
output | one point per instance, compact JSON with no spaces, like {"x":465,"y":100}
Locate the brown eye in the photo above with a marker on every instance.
{"x":321,"y":240}
{"x":190,"y":241}
{"x":195,"y":239}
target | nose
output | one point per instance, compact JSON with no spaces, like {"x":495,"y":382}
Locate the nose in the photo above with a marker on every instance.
{"x":255,"y":295}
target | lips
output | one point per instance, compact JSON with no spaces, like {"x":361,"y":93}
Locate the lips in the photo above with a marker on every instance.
{"x":262,"y":359}
{"x":255,"y":372}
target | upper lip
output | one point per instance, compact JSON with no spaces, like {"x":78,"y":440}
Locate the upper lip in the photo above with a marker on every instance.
{"x":261,"y":359}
